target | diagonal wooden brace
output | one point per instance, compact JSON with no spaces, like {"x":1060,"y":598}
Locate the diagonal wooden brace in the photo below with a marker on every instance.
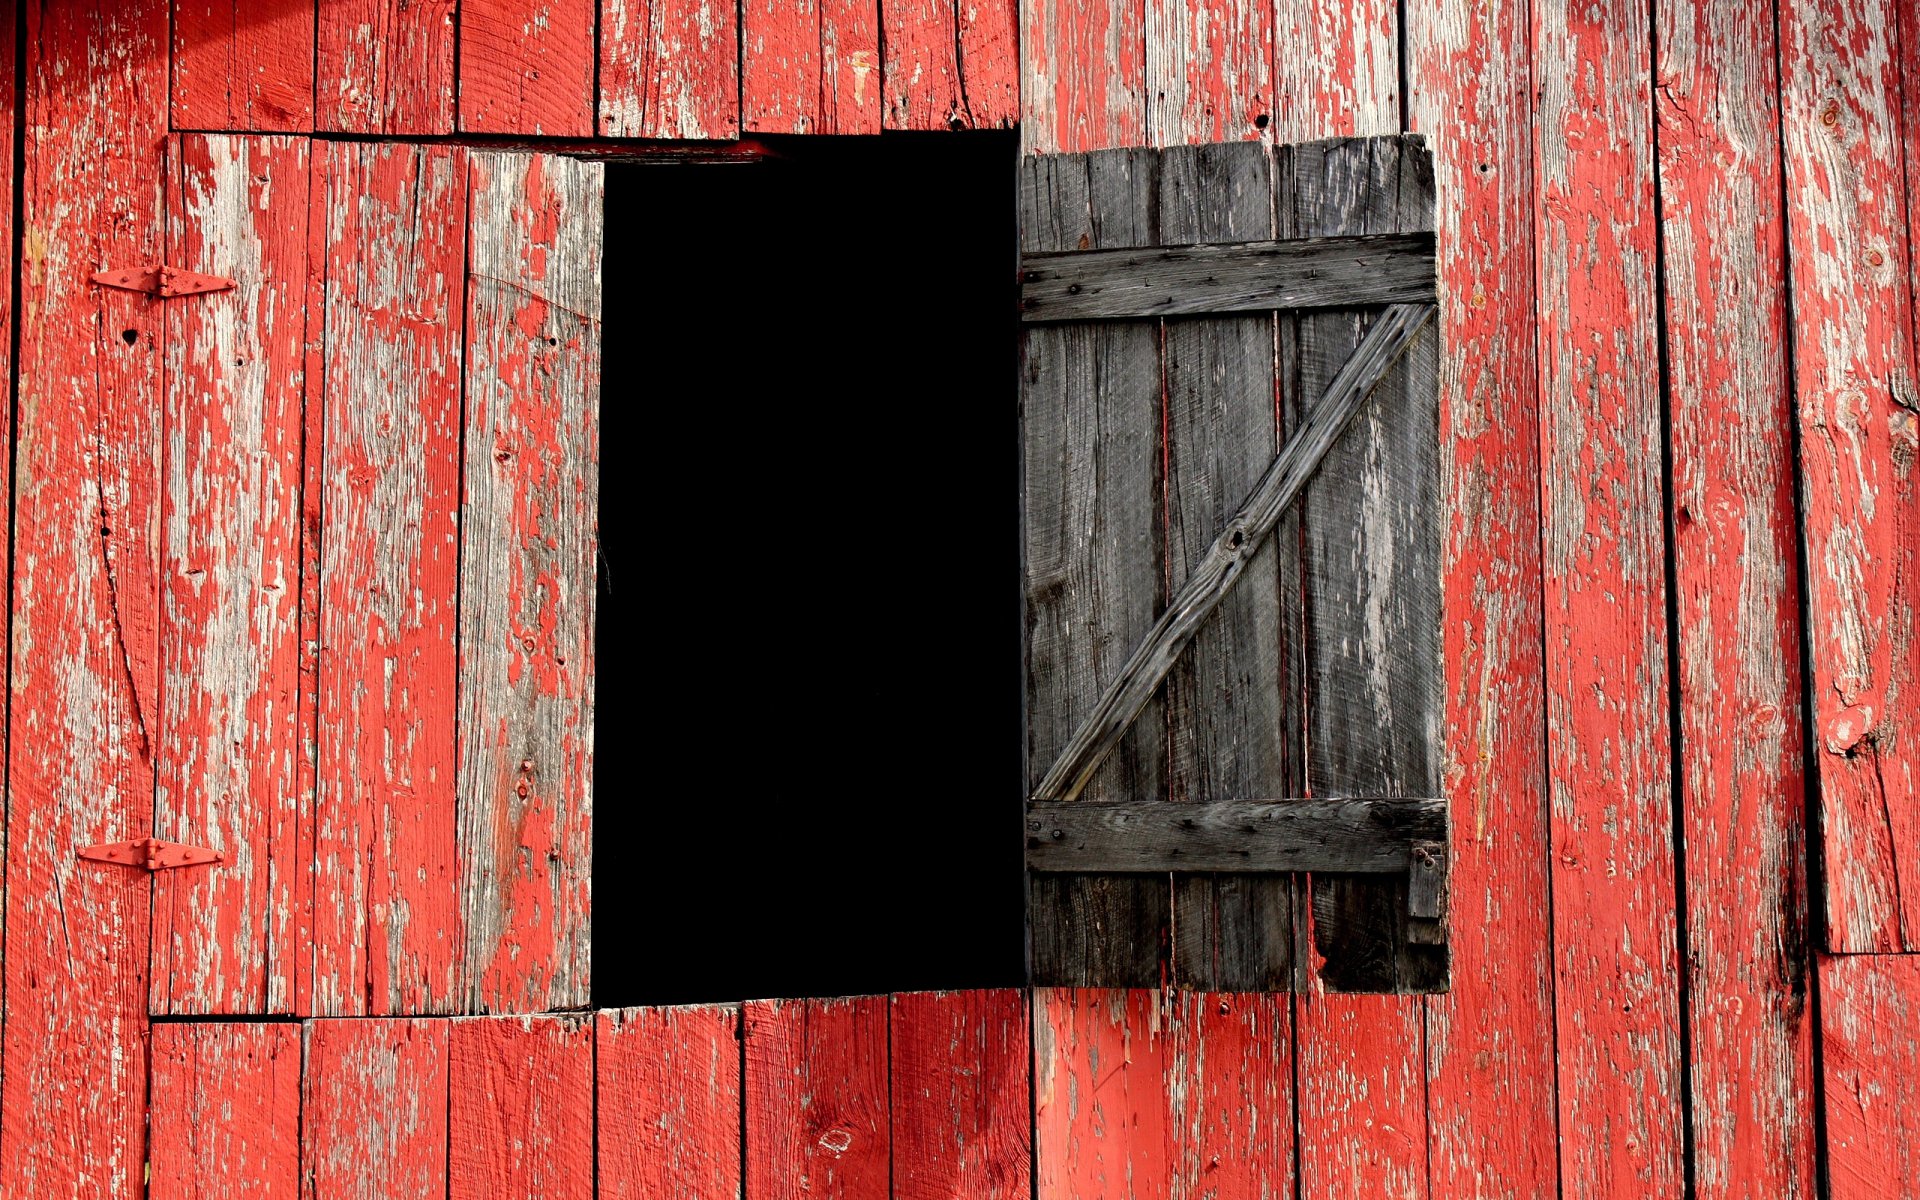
{"x":1226,"y":559}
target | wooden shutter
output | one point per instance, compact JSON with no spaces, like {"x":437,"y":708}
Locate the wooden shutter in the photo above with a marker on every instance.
{"x":1233,"y":660}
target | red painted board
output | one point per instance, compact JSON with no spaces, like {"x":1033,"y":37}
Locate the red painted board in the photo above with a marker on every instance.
{"x":1146,"y":1095}
{"x":243,"y":66}
{"x":1736,"y":580}
{"x":1608,"y":743}
{"x":388,"y":933}
{"x":1853,"y":364}
{"x":1336,"y":70}
{"x":810,"y":66}
{"x":1870,"y":1005}
{"x":83,"y":702}
{"x":951,"y":64}
{"x":374,"y":1125}
{"x":527,"y":551}
{"x":1083,"y":75}
{"x":520,"y":1118}
{"x":228,"y":743}
{"x":816,"y":1099}
{"x":670,"y":69}
{"x":226,"y":1111}
{"x":384,"y":66}
{"x":526,"y":67}
{"x":1363,"y":1096}
{"x":668,"y":1083}
{"x":1210,"y":69}
{"x":960,"y":1101}
{"x":1490,"y":1058}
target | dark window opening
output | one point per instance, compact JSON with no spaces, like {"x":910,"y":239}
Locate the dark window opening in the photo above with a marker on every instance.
{"x":808,"y":726}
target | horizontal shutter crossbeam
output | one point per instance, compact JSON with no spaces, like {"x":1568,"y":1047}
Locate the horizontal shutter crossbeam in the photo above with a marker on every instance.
{"x":1363,"y":836}
{"x":1301,"y":273}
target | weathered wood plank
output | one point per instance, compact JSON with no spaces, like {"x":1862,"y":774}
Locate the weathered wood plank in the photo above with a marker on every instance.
{"x":388,"y":934}
{"x":1161,"y":1095}
{"x":525,"y":846}
{"x":670,"y":69}
{"x":1083,"y":75}
{"x":1250,"y":276}
{"x":1364,"y":835}
{"x":1743,"y":797}
{"x":1209,"y":70}
{"x":1363,"y":1090}
{"x":816,"y":1099}
{"x":520,"y":1121}
{"x":225,"y":1102}
{"x":374,"y":1123}
{"x":959,"y":1106}
{"x":242,"y":66}
{"x":83,"y":703}
{"x":1091,"y":444}
{"x":527,"y":67}
{"x":1490,"y":1079}
{"x":951,"y":64}
{"x":668,"y":1094}
{"x":228,"y":745}
{"x":1215,"y":572}
{"x":1854,"y":379}
{"x":384,"y":66}
{"x":810,"y":66}
{"x":1869,"y":1007}
{"x":1336,"y":69}
{"x":1608,"y":727}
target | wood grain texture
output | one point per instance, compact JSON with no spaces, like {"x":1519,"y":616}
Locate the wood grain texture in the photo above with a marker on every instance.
{"x":527,"y":551}
{"x":1230,"y":275}
{"x":1336,"y":70}
{"x":1361,"y":1067}
{"x":388,"y":934}
{"x":668,"y":1099}
{"x":1209,"y":70}
{"x":226,"y":939}
{"x":1869,"y":1005}
{"x":1490,"y":1039}
{"x":1083,"y":75}
{"x":225,"y":1102}
{"x":375,"y":1109}
{"x":1162,"y":1095}
{"x":1853,"y":365}
{"x":810,"y":66}
{"x":527,"y":67}
{"x":83,"y":703}
{"x":951,"y":64}
{"x":670,"y":69}
{"x":960,"y":1112}
{"x":1737,"y":586}
{"x":384,"y":66}
{"x":242,"y":66}
{"x":816,"y":1099}
{"x":1608,"y":742}
{"x":1091,"y":441}
{"x":520,"y":1122}
{"x":1267,"y":836}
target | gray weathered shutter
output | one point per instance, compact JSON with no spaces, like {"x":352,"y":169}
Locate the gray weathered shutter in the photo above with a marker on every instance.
{"x":1233,"y":659}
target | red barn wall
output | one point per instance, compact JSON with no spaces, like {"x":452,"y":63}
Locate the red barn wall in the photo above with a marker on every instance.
{"x":1669,"y":235}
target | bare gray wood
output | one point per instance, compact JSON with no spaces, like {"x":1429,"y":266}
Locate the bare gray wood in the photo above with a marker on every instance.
{"x":1373,"y":835}
{"x":1427,"y":893}
{"x":1372,"y":551}
{"x":1235,"y":276}
{"x":1091,"y":420}
{"x":1225,"y":694}
{"x":1226,"y":559}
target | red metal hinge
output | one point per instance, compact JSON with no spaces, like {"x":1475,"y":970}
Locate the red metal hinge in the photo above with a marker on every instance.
{"x":150,"y":853}
{"x":161,"y":280}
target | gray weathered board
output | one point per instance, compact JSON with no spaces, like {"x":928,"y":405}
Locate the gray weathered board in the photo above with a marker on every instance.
{"x":1197,"y":639}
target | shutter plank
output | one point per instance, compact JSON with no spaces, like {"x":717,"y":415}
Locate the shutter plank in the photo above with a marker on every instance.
{"x":229,"y":743}
{"x":243,"y":66}
{"x":225,"y":1102}
{"x":958,"y":1082}
{"x":520,"y":1119}
{"x":387,"y":913}
{"x":1225,"y":696}
{"x":527,"y":548}
{"x":384,"y":67}
{"x":1371,"y":552}
{"x":1091,"y":419}
{"x":526,"y":67}
{"x":670,"y":69}
{"x":816,"y":1099}
{"x":374,"y":1121}
{"x":668,"y":1094}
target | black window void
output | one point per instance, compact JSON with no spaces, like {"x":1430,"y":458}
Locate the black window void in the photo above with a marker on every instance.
{"x":808,"y":729}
